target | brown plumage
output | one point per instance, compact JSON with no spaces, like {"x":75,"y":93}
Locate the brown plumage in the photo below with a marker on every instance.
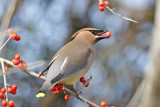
{"x":73,"y":60}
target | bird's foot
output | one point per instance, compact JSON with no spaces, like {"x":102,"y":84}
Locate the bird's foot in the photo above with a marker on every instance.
{"x":77,"y":93}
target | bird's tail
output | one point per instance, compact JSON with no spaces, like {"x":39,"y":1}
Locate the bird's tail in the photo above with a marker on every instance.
{"x":43,"y":90}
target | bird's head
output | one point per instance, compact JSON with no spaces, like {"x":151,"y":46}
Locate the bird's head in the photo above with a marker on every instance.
{"x":90,"y":34}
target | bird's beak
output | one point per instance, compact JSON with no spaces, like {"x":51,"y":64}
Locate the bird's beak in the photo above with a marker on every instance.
{"x":100,"y":35}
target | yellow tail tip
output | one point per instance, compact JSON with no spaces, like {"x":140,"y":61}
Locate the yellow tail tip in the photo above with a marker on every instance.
{"x":40,"y":95}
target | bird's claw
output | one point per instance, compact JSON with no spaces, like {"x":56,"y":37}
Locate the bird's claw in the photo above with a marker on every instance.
{"x":77,"y":94}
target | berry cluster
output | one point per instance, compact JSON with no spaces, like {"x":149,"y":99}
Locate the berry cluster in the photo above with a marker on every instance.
{"x":11,"y":89}
{"x":83,"y":80}
{"x":2,"y":96}
{"x":102,"y":5}
{"x":8,"y":104}
{"x":56,"y":89}
{"x":21,"y":64}
{"x":13,"y":34}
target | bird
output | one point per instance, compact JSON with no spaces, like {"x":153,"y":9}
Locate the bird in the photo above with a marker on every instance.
{"x":73,"y":60}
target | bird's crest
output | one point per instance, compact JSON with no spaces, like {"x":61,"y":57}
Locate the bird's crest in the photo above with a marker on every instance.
{"x":84,"y":29}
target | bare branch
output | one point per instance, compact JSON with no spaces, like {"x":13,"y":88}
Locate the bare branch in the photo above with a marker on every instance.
{"x":5,"y":43}
{"x":4,"y":77}
{"x":32,"y":65}
{"x":44,"y":78}
{"x":81,"y":98}
{"x":129,"y":19}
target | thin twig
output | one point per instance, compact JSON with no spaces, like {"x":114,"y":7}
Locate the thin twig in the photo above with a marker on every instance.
{"x":129,"y":19}
{"x":32,"y":65}
{"x":4,"y":77}
{"x":44,"y":78}
{"x":5,"y":43}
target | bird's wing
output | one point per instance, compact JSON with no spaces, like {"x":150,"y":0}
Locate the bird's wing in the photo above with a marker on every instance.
{"x":68,"y":69}
{"x":48,"y":66}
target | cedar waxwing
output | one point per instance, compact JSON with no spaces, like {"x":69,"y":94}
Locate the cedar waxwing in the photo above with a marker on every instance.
{"x":73,"y":60}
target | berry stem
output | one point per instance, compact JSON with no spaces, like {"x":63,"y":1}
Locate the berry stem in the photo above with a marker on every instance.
{"x":84,"y":84}
{"x":5,"y":43}
{"x":4,"y":77}
{"x":126,"y":18}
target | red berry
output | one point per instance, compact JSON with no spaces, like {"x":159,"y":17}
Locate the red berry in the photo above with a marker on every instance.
{"x":2,"y":96}
{"x":14,"y":87}
{"x":103,"y":104}
{"x":53,"y":88}
{"x":25,"y":66}
{"x":101,"y":3}
{"x":6,"y":68}
{"x":14,"y":92}
{"x":56,"y":92}
{"x":17,"y":56}
{"x":9,"y":90}
{"x":24,"y":62}
{"x":66,"y":97}
{"x":108,"y":34}
{"x":10,"y":30}
{"x":60,"y":87}
{"x":20,"y":65}
{"x":3,"y":90}
{"x":11,"y":103}
{"x":106,"y":3}
{"x":15,"y":61}
{"x":39,"y":73}
{"x":101,"y":8}
{"x":18,"y":38}
{"x":14,"y":36}
{"x":4,"y":103}
{"x":10,"y":35}
{"x":86,"y":84}
{"x":82,"y":79}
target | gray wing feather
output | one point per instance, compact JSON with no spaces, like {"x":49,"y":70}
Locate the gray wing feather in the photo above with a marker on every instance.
{"x":70,"y":69}
{"x":48,"y":66}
